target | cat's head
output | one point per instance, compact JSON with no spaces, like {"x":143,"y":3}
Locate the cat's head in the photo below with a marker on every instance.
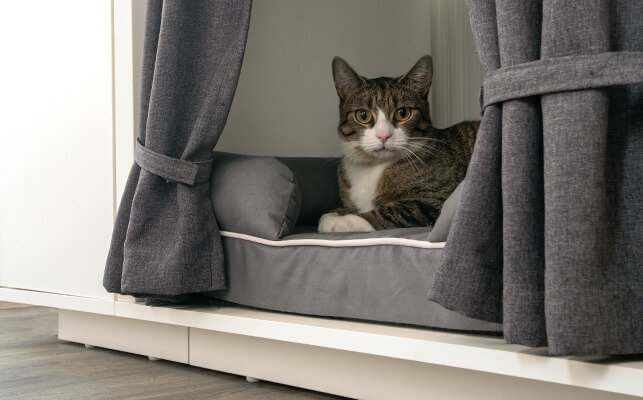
{"x":383,"y":119}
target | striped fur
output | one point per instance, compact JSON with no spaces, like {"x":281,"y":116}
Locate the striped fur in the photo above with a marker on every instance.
{"x":426,"y":164}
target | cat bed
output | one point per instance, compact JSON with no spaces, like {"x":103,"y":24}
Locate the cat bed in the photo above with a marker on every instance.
{"x":379,"y":276}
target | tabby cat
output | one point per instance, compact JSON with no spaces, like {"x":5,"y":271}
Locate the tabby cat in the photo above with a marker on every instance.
{"x":397,"y":169}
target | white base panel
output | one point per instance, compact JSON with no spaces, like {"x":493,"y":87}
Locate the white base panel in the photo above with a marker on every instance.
{"x":157,"y":341}
{"x":365,"y":376}
{"x":340,"y":372}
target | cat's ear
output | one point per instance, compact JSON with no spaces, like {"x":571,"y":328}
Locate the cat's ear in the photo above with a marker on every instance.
{"x":420,"y":75}
{"x":346,"y":79}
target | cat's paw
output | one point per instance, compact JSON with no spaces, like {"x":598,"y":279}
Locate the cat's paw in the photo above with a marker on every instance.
{"x":333,"y":222}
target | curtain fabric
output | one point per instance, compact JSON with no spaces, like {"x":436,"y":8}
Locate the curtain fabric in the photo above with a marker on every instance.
{"x":165,"y":240}
{"x":548,"y":238}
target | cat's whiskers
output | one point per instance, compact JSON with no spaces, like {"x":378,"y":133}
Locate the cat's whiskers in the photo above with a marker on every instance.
{"x":418,"y":158}
{"x":418,"y":147}
{"x":426,"y":138}
{"x":411,"y":161}
{"x":360,"y":153}
{"x":433,"y":150}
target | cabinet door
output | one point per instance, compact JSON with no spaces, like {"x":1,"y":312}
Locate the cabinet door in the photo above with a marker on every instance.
{"x":56,"y":152}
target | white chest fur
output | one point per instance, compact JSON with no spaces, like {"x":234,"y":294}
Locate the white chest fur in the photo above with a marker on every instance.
{"x":363,"y":179}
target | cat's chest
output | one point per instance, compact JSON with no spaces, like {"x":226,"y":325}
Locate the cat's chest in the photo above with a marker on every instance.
{"x":363,"y":180}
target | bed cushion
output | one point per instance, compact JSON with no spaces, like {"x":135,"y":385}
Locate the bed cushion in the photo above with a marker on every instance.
{"x":254,"y":195}
{"x":376,"y":276}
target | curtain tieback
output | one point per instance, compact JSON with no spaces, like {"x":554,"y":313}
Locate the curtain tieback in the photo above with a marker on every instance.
{"x":172,"y":169}
{"x":561,"y":74}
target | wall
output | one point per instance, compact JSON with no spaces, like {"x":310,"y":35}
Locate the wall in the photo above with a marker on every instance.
{"x":457,"y":70}
{"x":138,"y":35}
{"x":286,"y":102}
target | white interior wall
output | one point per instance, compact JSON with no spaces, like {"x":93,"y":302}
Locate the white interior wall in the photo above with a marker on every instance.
{"x":286,"y":102}
{"x":457,"y":70}
{"x":138,"y":35}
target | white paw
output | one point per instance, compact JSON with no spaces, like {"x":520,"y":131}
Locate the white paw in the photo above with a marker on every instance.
{"x":333,"y":222}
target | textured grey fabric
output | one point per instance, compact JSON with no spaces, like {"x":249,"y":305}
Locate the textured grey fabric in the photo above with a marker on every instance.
{"x":172,"y":169}
{"x":254,"y":195}
{"x":547,"y":238}
{"x":559,"y":74}
{"x":165,"y":239}
{"x":376,"y":283}
{"x":317,"y":178}
{"x":440,"y":230}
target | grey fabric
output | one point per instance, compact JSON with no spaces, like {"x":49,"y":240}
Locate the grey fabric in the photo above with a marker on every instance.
{"x":172,"y":169}
{"x":317,"y":178}
{"x":547,"y":238}
{"x":440,"y":230}
{"x":562,"y":74}
{"x":254,"y":195}
{"x":165,"y":239}
{"x":377,"y":283}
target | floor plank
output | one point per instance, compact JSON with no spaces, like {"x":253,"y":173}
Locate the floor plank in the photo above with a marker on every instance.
{"x":34,"y":364}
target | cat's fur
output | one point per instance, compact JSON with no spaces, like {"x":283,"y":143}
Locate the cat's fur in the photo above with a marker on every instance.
{"x":395,"y":172}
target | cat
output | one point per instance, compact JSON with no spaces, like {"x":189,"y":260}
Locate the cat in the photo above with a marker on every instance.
{"x":397,"y":170}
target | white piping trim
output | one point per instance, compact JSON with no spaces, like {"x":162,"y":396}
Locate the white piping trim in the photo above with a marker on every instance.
{"x":338,"y":242}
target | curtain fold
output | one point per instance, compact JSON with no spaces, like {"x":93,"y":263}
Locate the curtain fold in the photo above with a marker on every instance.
{"x":548,"y":235}
{"x":166,"y":240}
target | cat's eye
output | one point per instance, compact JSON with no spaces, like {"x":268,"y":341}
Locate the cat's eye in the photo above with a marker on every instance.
{"x":363,"y":116}
{"x":402,"y":114}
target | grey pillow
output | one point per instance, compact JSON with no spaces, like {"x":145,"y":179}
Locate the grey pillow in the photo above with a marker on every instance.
{"x":317,"y":178}
{"x":254,"y":195}
{"x":442,"y":225}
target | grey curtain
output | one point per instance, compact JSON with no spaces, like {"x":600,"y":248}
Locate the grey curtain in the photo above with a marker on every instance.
{"x":165,"y":240}
{"x":548,"y":238}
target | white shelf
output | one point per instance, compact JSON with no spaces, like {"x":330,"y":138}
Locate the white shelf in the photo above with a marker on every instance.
{"x":55,"y":300}
{"x":468,"y":351}
{"x":474,"y":352}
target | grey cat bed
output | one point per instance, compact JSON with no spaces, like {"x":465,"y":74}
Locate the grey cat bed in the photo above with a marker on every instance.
{"x":268,"y":208}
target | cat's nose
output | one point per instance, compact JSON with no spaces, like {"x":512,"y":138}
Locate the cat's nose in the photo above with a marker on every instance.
{"x":383,"y":135}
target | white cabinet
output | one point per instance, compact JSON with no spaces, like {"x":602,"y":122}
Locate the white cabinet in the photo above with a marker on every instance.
{"x":68,"y":92}
{"x":56,"y":153}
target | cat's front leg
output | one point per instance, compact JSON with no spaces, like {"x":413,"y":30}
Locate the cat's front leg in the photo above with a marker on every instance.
{"x":404,"y":214}
{"x":334,"y":222}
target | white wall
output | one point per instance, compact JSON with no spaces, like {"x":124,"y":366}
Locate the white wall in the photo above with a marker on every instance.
{"x":286,"y":102}
{"x":457,"y":70}
{"x":56,"y":196}
{"x":138,"y":34}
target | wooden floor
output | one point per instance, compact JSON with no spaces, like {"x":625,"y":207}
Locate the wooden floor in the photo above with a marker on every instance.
{"x":34,"y":364}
